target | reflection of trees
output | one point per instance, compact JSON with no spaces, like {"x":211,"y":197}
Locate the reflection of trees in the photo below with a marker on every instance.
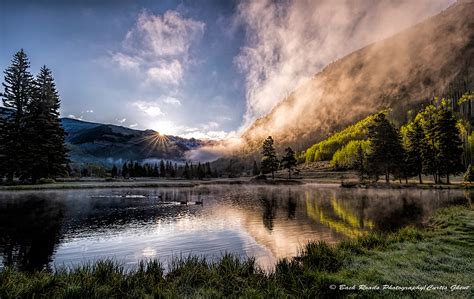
{"x":338,"y":217}
{"x":269,"y":210}
{"x":395,"y":218}
{"x":291,"y":206}
{"x":29,"y":232}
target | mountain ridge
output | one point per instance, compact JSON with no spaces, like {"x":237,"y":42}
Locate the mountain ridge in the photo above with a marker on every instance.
{"x":107,"y":144}
{"x":401,"y":72}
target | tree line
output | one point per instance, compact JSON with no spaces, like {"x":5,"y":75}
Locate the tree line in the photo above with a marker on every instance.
{"x":164,"y":169}
{"x":31,"y":136}
{"x":429,"y":144}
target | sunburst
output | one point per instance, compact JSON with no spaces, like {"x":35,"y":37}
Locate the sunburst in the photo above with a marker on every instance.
{"x":156,"y":141}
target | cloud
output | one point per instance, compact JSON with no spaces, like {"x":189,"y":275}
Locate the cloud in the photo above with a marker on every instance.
{"x":159,"y":46}
{"x":172,"y":101}
{"x":126,"y":62}
{"x":288,"y":42}
{"x":167,"y":72}
{"x":122,"y":120}
{"x":149,"y":108}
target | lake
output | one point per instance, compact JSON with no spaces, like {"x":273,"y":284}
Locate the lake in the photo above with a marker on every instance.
{"x":47,"y":229}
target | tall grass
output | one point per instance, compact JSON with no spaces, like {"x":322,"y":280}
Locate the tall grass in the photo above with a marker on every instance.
{"x":313,"y":273}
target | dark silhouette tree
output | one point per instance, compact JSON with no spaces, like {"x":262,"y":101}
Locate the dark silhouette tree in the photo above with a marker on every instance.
{"x":114,"y":171}
{"x":386,"y":152}
{"x":288,"y":161}
{"x":48,"y":153}
{"x":269,"y":160}
{"x":415,"y":143}
{"x":449,"y":143}
{"x":18,"y":91}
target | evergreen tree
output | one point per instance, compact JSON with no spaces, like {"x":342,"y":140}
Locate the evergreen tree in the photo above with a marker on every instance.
{"x":125,"y":172}
{"x":200,"y":171}
{"x":3,"y":140}
{"x":269,"y":160}
{"x":469,"y":174}
{"x":288,"y":161}
{"x":386,"y":150}
{"x":255,"y":170}
{"x":48,"y":153}
{"x":208,"y":170}
{"x":415,"y":143}
{"x":360,"y":163}
{"x":18,"y":90}
{"x":162,"y":169}
{"x":186,"y":172}
{"x":449,"y":143}
{"x":114,"y":171}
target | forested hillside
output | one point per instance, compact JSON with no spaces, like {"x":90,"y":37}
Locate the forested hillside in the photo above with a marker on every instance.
{"x":403,"y":72}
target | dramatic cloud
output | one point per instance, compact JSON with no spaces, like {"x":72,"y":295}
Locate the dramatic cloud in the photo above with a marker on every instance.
{"x":149,"y":108}
{"x":158,"y":46}
{"x":290,"y":41}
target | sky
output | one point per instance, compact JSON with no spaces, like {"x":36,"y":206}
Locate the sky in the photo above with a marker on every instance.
{"x":203,"y":69}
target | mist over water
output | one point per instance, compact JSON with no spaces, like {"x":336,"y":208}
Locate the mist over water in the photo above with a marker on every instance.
{"x":68,"y":228}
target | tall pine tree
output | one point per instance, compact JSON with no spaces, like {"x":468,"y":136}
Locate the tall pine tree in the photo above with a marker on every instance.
{"x":448,"y":143}
{"x":288,"y":161}
{"x":18,"y":91}
{"x":48,"y":154}
{"x":415,"y":142}
{"x":269,"y":160}
{"x":386,"y":150}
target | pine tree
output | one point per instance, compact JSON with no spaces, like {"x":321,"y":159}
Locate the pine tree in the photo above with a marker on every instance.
{"x":186,"y":173}
{"x":114,"y":171}
{"x":269,"y":160}
{"x":208,"y":170}
{"x":162,"y":169}
{"x":386,"y":150}
{"x":288,"y":161}
{"x":125,"y":171}
{"x":48,"y":154}
{"x":18,"y":90}
{"x":415,"y":143}
{"x":449,"y":143}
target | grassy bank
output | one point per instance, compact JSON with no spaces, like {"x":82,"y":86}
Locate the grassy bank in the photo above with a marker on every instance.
{"x":440,"y":255}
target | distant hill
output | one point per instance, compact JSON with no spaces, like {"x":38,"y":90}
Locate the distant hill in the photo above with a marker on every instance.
{"x":106,"y":144}
{"x":433,"y":58}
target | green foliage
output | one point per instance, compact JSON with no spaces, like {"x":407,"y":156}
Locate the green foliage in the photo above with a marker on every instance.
{"x":288,"y":161}
{"x":414,"y":141}
{"x":324,"y":150}
{"x":347,"y":157}
{"x":386,"y":152}
{"x":269,"y":160}
{"x":469,"y":174}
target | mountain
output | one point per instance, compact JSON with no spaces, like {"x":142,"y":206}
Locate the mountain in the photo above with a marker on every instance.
{"x":433,"y":58}
{"x":106,"y":144}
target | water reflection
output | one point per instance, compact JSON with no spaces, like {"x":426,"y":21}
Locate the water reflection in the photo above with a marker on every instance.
{"x":41,"y":230}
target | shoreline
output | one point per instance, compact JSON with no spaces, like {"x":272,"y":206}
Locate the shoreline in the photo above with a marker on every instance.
{"x":170,"y":183}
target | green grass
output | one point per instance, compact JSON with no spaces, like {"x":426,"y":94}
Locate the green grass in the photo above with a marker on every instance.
{"x":442,"y":254}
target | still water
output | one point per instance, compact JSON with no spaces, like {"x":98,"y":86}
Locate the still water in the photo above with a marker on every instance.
{"x":48,"y":229}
